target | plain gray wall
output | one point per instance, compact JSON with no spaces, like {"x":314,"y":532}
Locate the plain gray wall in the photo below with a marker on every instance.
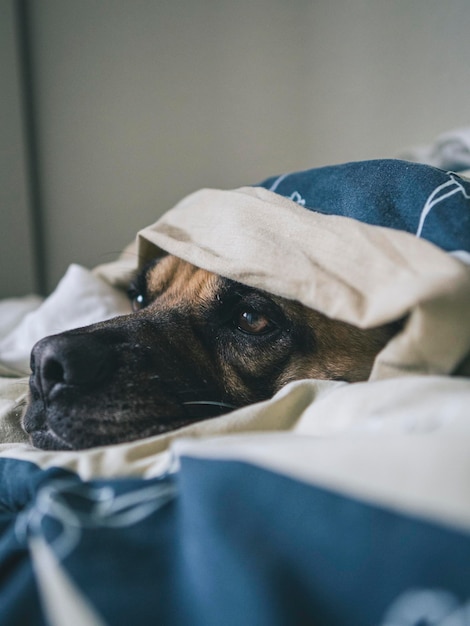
{"x":140,"y":102}
{"x":17,"y":272}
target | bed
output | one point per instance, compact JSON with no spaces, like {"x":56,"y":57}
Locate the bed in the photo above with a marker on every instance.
{"x":331,"y":503}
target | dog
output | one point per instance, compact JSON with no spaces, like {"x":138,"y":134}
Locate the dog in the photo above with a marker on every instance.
{"x":197,"y":345}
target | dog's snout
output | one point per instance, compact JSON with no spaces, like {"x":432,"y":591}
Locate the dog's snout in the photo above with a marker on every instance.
{"x":69,"y":360}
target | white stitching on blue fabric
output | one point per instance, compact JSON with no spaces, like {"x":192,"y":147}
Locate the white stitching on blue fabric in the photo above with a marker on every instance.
{"x":434,"y":198}
{"x":431,"y":606}
{"x":102,"y":508}
{"x":296,"y":197}
{"x":277,"y":182}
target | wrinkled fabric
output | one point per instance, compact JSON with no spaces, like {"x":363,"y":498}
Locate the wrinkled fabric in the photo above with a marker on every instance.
{"x":330,"y":503}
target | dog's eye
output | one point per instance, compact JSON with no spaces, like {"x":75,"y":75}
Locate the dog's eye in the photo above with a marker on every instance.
{"x":138,"y":302}
{"x":254,"y":323}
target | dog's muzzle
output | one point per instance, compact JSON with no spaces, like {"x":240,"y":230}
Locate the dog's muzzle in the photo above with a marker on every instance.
{"x":117,"y":381}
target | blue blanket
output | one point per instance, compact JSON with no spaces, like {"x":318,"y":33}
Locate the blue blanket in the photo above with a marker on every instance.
{"x":225,"y":542}
{"x":416,"y":198}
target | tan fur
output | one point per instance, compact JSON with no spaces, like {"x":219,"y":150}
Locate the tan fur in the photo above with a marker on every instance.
{"x":179,"y":283}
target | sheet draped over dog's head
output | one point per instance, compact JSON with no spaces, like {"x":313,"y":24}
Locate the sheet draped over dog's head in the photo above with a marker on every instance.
{"x":398,"y":263}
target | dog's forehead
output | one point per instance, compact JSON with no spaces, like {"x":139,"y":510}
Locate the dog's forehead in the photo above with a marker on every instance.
{"x":173,"y":278}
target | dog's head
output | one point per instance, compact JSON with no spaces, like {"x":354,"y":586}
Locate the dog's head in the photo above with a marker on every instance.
{"x":197,"y":345}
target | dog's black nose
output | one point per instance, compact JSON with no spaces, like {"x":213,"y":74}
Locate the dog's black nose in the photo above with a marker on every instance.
{"x":73,"y":360}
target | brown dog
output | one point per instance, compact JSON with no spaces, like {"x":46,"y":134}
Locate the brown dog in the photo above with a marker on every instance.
{"x":198,"y":345}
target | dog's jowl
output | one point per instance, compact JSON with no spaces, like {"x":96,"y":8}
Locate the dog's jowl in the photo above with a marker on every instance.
{"x":197,"y":345}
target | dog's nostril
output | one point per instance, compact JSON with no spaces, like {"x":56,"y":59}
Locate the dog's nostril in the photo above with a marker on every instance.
{"x":70,"y":360}
{"x":53,"y":371}
{"x":49,"y":372}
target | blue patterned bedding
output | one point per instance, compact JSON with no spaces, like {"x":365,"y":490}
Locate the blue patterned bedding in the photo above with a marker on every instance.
{"x":224,"y":542}
{"x":412,"y":197}
{"x":223,"y":536}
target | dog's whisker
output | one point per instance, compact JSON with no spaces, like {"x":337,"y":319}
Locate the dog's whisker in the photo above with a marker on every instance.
{"x":225,"y":405}
{"x":134,"y":383}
